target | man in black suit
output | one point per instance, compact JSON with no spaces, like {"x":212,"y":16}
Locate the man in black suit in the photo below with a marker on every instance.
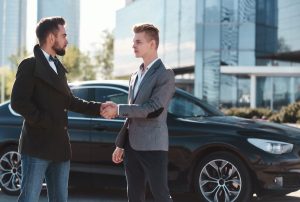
{"x":42,"y":96}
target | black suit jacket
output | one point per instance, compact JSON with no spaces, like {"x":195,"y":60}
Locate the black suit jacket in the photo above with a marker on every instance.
{"x":43,"y":98}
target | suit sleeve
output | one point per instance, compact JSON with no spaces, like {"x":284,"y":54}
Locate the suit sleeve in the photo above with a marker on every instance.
{"x":22,"y":92}
{"x":160,"y":97}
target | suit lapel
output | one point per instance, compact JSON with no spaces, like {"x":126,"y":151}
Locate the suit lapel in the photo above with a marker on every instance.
{"x":44,"y":71}
{"x":148,"y":75}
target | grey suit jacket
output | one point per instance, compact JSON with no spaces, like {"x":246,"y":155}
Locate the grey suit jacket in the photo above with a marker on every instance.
{"x":146,"y":114}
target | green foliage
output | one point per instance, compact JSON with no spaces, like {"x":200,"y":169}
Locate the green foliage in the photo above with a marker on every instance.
{"x":16,"y":59}
{"x":105,"y":55}
{"x":288,"y":114}
{"x":249,"y":112}
{"x":8,"y":73}
{"x":9,"y":78}
{"x":78,"y":65}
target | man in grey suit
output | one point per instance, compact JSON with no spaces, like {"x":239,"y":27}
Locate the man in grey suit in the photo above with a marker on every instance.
{"x":144,"y":136}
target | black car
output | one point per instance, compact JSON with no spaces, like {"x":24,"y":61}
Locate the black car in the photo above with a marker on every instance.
{"x":222,"y":158}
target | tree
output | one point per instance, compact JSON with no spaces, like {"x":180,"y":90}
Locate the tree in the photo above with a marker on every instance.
{"x":78,"y":65}
{"x":105,"y":55}
{"x":16,"y":59}
{"x":282,"y":46}
{"x":8,"y":75}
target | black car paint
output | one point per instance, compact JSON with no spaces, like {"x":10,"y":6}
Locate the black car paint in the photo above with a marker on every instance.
{"x":191,"y":139}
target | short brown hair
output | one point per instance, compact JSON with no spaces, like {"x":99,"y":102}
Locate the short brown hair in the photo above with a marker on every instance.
{"x":150,"y":30}
{"x":46,"y":26}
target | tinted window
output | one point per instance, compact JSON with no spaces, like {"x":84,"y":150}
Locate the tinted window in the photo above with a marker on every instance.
{"x":82,"y":93}
{"x":183,"y":107}
{"x":110,"y":94}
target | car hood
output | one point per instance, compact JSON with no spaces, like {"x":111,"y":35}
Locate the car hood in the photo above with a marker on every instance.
{"x":250,"y":127}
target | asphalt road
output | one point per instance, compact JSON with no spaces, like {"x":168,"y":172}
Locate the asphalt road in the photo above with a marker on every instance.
{"x":120,"y":196}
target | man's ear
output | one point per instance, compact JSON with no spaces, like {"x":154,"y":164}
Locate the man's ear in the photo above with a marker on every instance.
{"x":153,"y":44}
{"x":51,"y":38}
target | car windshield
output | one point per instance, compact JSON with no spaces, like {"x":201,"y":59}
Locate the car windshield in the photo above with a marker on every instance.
{"x":185,"y":105}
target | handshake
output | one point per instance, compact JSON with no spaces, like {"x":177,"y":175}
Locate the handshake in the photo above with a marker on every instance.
{"x":109,"y":110}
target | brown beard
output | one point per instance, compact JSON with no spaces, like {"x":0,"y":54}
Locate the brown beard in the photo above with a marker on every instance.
{"x":59,"y":51}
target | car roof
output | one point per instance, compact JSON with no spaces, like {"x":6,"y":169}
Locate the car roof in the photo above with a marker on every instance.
{"x":123,"y":83}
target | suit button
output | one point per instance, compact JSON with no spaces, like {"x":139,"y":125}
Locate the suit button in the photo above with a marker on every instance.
{"x":65,"y":127}
{"x":65,"y":110}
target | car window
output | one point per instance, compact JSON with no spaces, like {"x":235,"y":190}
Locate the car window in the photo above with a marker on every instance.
{"x":82,"y":93}
{"x":183,"y":107}
{"x":111,"y":94}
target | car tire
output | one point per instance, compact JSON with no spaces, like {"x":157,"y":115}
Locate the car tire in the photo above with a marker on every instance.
{"x":10,"y":171}
{"x":221,"y":176}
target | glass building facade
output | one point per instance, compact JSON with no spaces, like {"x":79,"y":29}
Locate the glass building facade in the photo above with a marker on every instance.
{"x":209,"y":34}
{"x":12,"y":29}
{"x":68,"y":9}
{"x":176,"y":48}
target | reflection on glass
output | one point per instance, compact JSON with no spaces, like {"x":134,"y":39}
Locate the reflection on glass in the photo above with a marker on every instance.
{"x":297,"y":89}
{"x":228,"y":92}
{"x":264,"y":92}
{"x":212,"y":77}
{"x":288,"y":25}
{"x":281,"y":92}
{"x":183,"y":107}
{"x":235,"y":91}
{"x":82,"y":93}
{"x":243,"y":92}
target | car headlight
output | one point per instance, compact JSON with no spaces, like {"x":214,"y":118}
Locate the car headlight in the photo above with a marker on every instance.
{"x":271,"y":146}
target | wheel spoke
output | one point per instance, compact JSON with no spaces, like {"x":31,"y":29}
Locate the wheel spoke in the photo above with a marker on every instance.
{"x":5,"y":160}
{"x":227,"y":198}
{"x":216,"y":167}
{"x":207,"y":193}
{"x":231,"y":192}
{"x":8,"y":181}
{"x":208,"y":175}
{"x":13,"y":182}
{"x":216,"y":198}
{"x":204,"y":182}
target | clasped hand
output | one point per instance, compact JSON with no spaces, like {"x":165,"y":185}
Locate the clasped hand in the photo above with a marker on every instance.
{"x":109,"y":110}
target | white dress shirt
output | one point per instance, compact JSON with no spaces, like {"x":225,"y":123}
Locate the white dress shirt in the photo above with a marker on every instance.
{"x":141,"y":74}
{"x":51,"y":63}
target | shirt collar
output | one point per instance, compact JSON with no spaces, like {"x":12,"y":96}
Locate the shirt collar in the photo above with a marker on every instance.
{"x":149,"y":66}
{"x":47,"y":56}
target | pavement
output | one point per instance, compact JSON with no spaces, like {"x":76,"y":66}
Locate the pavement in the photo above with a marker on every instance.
{"x":104,"y":195}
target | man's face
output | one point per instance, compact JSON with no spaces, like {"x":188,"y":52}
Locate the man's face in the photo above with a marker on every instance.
{"x":61,"y":41}
{"x":142,"y":46}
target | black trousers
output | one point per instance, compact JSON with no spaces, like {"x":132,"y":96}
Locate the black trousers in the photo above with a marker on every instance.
{"x":146,"y":166}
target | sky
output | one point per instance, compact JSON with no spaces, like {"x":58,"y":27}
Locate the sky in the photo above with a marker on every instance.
{"x":95,"y":17}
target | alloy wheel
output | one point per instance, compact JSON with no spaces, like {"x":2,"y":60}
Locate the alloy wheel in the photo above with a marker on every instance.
{"x":219,"y":180}
{"x":10,"y":171}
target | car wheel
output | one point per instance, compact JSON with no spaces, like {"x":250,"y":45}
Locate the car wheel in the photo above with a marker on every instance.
{"x":10,"y":171}
{"x":222,"y":177}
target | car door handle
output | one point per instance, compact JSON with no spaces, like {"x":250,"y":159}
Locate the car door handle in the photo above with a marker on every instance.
{"x":100,"y":127}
